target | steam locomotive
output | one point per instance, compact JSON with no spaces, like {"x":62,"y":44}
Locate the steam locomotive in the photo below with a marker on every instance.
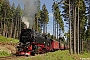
{"x":32,"y":43}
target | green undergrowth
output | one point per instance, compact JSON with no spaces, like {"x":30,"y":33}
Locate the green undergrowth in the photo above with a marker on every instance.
{"x":8,"y":40}
{"x":4,"y":54}
{"x":85,"y":55}
{"x":4,"y":47}
{"x":58,"y":55}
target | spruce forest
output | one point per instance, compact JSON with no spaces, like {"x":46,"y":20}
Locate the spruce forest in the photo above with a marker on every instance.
{"x":71,"y":14}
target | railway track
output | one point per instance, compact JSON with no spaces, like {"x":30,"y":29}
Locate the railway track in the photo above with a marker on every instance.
{"x":11,"y":57}
{"x":7,"y":58}
{"x":14,"y":57}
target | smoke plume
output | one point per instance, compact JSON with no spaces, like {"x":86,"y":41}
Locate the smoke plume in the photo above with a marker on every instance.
{"x":30,"y":9}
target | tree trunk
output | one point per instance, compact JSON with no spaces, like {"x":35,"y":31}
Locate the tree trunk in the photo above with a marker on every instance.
{"x":74,"y":15}
{"x":57,"y":30}
{"x":4,"y":24}
{"x":17,"y":28}
{"x":20,"y":25}
{"x":15,"y":32}
{"x":78,"y":31}
{"x":75,"y":31}
{"x":6,"y":28}
{"x":11,"y":28}
{"x":53,"y":26}
{"x":80,"y":41}
{"x":37,"y":24}
{"x":43,"y":27}
{"x":70,"y":44}
{"x":46,"y":28}
{"x":1,"y":27}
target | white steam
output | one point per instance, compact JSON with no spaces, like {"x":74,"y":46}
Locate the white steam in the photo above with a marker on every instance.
{"x":25,"y":20}
{"x":30,"y":9}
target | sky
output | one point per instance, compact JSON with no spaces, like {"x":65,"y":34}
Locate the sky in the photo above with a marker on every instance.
{"x":48,"y":4}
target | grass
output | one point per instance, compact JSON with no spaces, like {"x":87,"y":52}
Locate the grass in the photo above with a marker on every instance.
{"x":58,"y":55}
{"x":4,"y":51}
{"x":8,"y":40}
{"x":3,"y":54}
{"x":85,"y":55}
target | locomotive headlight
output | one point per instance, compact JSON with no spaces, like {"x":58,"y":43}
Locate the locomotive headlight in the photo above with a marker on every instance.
{"x":44,"y":42}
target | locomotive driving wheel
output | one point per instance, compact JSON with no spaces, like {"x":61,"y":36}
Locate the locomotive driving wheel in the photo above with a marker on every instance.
{"x":33,"y":53}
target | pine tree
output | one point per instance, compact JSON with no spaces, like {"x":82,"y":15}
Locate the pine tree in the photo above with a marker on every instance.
{"x":77,"y":11}
{"x":58,"y":19}
{"x":44,"y":18}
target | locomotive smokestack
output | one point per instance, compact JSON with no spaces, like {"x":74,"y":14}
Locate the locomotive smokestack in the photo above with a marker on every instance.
{"x":25,"y":27}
